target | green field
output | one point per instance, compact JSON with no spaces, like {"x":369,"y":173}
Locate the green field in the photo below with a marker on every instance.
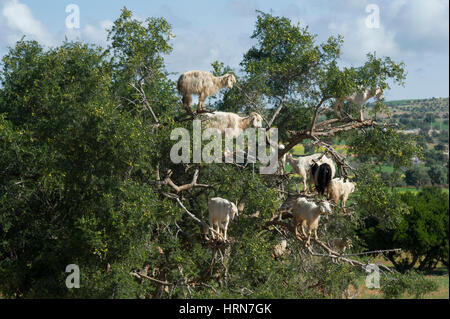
{"x":440,"y":275}
{"x":415,"y":190}
{"x":439,"y":126}
{"x":298,"y":150}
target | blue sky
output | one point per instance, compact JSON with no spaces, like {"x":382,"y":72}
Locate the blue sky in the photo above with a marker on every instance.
{"x":412,"y":31}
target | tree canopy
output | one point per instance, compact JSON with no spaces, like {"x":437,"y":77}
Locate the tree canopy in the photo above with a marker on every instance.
{"x":87,"y":177}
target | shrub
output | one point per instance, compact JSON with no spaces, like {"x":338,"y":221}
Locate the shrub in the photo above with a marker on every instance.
{"x":411,"y":283}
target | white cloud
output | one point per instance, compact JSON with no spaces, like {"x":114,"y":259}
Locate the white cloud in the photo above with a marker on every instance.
{"x":16,"y":20}
{"x":413,"y":31}
{"x":196,"y":49}
{"x":360,"y":40}
{"x":97,"y":34}
{"x":421,"y":26}
{"x":192,"y":51}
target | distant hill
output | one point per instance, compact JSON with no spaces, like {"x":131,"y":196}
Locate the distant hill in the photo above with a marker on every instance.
{"x":419,"y":113}
{"x":423,"y":106}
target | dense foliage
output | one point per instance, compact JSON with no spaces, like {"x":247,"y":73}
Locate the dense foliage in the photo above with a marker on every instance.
{"x":422,"y":233}
{"x":84,"y":162}
{"x":411,"y":283}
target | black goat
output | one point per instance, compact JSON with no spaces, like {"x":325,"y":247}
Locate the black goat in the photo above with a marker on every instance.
{"x":321,"y":176}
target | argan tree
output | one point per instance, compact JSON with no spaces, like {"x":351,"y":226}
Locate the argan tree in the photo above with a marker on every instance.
{"x":87,"y":177}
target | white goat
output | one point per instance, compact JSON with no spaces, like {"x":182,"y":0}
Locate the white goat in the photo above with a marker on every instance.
{"x":359,"y":98}
{"x":203,"y":84}
{"x":308,"y":213}
{"x":319,"y":175}
{"x":221,"y":211}
{"x":338,"y":189}
{"x":302,"y":166}
{"x":326,"y":160}
{"x":283,"y":158}
{"x":231,"y":121}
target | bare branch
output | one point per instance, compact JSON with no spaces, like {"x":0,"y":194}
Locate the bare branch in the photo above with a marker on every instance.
{"x":375,"y":252}
{"x":141,"y":92}
{"x":192,"y":215}
{"x":178,"y":189}
{"x":330,"y":253}
{"x":322,"y":131}
{"x":139,"y":276}
{"x":249,"y":99}
{"x":316,"y":112}
{"x":338,"y":158}
{"x":278,"y":110}
{"x":204,"y":225}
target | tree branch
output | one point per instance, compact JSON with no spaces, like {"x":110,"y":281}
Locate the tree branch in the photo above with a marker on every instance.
{"x":316,"y":112}
{"x":141,"y":92}
{"x":204,"y":225}
{"x":178,"y":189}
{"x":299,"y":136}
{"x":140,"y":276}
{"x":341,"y":161}
{"x":330,"y":253}
{"x":280,"y":106}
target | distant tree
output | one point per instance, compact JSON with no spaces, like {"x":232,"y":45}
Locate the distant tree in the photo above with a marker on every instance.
{"x":425,"y":231}
{"x":443,"y":137}
{"x":440,"y":147}
{"x":412,"y":283}
{"x":434,"y":134}
{"x":438,"y":174}
{"x":429,"y":118}
{"x":417,"y":176}
{"x":393,"y":179}
{"x":447,"y":166}
{"x":433,"y":157}
{"x":391,"y":148}
{"x":422,"y":232}
{"x":422,"y":140}
{"x":386,"y":176}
